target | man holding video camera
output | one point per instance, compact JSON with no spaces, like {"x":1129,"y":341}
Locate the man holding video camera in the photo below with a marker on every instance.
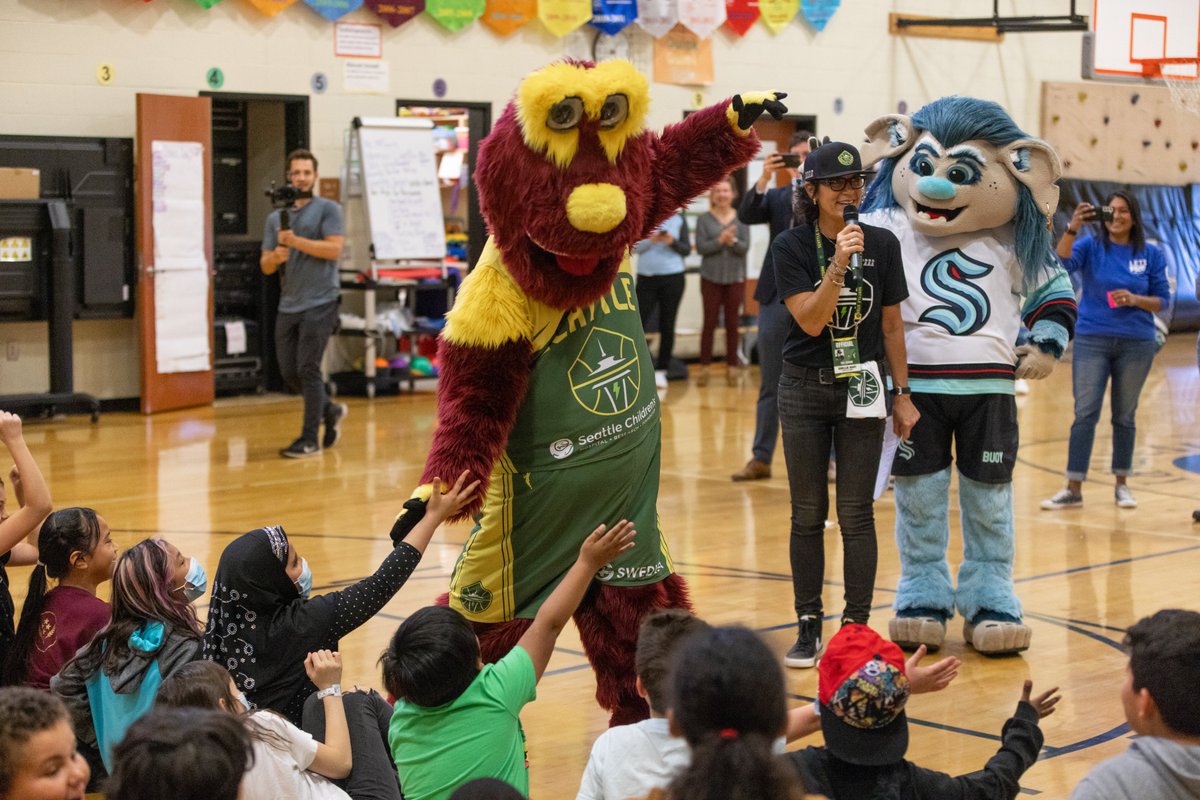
{"x":304,"y":237}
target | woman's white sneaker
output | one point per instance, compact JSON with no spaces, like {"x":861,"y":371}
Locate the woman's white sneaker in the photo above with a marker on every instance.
{"x":1064,"y":499}
{"x":1124,"y":497}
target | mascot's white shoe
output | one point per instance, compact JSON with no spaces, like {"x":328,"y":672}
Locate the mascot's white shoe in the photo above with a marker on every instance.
{"x":912,"y":632}
{"x":993,"y":637}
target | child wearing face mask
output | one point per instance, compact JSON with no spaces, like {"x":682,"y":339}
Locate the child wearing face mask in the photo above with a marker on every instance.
{"x":263,"y":622}
{"x":111,"y":682}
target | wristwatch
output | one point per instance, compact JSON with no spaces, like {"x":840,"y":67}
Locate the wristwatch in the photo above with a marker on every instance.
{"x":897,"y":390}
{"x":332,"y":691}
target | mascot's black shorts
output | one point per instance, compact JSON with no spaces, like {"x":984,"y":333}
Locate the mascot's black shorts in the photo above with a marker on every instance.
{"x":983,"y":428}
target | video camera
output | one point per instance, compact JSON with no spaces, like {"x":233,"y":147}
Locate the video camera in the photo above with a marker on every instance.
{"x":283,"y":198}
{"x":1101,"y":213}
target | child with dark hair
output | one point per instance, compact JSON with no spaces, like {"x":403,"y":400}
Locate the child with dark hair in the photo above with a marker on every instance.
{"x":457,"y":719}
{"x":1163,"y":707}
{"x":154,"y":630}
{"x":862,"y":692}
{"x":630,"y":760}
{"x":38,"y":759}
{"x":78,"y":551}
{"x":181,"y":754}
{"x":486,"y":789}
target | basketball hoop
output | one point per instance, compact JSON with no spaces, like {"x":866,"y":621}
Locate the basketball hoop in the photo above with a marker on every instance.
{"x":1185,"y":89}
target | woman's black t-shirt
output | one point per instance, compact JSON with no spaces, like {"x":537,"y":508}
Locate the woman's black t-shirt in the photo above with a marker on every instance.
{"x":796,"y":270}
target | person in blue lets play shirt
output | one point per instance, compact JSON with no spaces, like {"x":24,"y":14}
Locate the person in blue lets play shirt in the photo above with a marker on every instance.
{"x":1124,"y":282}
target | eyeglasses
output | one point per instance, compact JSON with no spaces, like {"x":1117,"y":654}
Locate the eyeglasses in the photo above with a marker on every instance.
{"x":845,"y":182}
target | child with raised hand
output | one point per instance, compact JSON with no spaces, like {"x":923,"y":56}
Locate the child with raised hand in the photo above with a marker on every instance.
{"x":77,"y":550}
{"x":38,"y":759}
{"x":457,"y":719}
{"x":18,"y":529}
{"x":263,"y":621}
{"x":863,"y":690}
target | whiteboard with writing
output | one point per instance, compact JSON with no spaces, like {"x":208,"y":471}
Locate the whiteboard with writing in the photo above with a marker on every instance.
{"x":400,"y":184}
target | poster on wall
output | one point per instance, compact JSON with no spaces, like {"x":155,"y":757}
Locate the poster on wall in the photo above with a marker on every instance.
{"x":454,"y":15}
{"x":613,"y":16}
{"x":818,"y":12}
{"x":563,"y":16}
{"x":683,"y":58}
{"x":396,"y":14}
{"x":357,"y":40}
{"x":657,"y":17}
{"x":506,"y":16}
{"x":740,"y":15}
{"x":778,"y":13}
{"x":270,"y":7}
{"x":702,"y":17}
{"x":333,"y":10}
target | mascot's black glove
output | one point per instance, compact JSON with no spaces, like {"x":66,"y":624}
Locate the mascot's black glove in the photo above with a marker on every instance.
{"x":751,"y":105}
{"x":414,"y":512}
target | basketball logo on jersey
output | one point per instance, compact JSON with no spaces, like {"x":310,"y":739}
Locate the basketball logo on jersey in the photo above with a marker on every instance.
{"x":847,"y":303}
{"x":605,"y":376}
{"x":947,"y":277}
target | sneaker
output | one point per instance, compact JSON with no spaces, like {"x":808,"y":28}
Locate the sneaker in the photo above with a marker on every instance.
{"x":300,"y":449}
{"x":754,"y":470}
{"x":333,"y":424}
{"x":660,"y":378}
{"x":1064,"y":499}
{"x":807,"y":650}
{"x":1124,"y":497}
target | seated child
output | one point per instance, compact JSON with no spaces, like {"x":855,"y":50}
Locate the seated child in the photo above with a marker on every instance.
{"x":863,"y":689}
{"x":1163,"y":708}
{"x":457,"y":719}
{"x":38,"y":760}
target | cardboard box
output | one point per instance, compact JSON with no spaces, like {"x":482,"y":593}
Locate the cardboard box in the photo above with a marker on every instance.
{"x":20,"y":183}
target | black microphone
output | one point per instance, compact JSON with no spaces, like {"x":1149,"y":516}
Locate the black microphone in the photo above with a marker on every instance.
{"x":850,"y":217}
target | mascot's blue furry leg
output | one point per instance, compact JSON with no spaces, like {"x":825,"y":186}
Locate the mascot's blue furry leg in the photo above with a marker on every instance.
{"x":925,"y":596}
{"x":986,"y":598}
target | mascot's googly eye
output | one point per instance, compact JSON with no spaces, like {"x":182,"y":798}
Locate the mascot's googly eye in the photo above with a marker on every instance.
{"x":614,"y":111}
{"x":565,"y":114}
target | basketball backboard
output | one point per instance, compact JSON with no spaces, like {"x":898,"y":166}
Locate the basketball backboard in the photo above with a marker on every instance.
{"x":1126,"y":32}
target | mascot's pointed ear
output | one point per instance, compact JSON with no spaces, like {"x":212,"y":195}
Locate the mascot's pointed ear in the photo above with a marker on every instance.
{"x":887,"y":136}
{"x":1035,"y":164}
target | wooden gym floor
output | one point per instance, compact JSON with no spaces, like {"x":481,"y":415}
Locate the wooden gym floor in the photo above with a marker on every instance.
{"x":200,"y":477}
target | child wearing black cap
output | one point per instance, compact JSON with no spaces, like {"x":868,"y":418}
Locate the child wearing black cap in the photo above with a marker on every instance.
{"x":863,"y":688}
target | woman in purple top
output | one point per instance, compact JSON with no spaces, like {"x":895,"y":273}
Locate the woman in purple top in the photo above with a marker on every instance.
{"x":1124,"y":282}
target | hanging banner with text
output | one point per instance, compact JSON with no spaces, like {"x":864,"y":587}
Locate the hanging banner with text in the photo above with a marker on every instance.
{"x":270,"y":7}
{"x":203,"y":3}
{"x":506,"y":16}
{"x":613,"y":16}
{"x":740,"y":15}
{"x":681,"y":57}
{"x":454,"y":15}
{"x":818,"y":12}
{"x":563,"y":16}
{"x":702,"y":17}
{"x":778,"y":13}
{"x":396,"y":14}
{"x":333,"y":10}
{"x":657,"y":17}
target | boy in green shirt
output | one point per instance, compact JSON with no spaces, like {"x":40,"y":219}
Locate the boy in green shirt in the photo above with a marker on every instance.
{"x":457,"y":719}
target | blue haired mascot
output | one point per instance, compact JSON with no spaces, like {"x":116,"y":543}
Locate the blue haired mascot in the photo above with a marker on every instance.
{"x":970,"y":197}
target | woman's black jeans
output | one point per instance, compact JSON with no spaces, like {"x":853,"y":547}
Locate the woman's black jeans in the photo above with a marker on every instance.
{"x":812,"y":413}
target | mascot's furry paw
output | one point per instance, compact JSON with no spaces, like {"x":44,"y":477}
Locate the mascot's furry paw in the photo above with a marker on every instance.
{"x":1033,"y":363}
{"x":997,"y":634}
{"x":414,"y":512}
{"x":909,"y":633}
{"x":749,"y":106}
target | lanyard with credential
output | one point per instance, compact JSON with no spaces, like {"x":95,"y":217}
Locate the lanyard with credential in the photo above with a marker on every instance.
{"x":858,"y":289}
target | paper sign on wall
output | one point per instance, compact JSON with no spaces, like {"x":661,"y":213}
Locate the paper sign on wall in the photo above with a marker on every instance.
{"x":612,"y":16}
{"x":778,"y":13}
{"x":702,"y":17}
{"x":356,"y":40}
{"x":683,"y":58}
{"x":818,"y":12}
{"x":454,"y":15}
{"x":506,"y":16}
{"x":396,"y":14}
{"x":657,"y":17}
{"x":563,"y":16}
{"x":334,"y":9}
{"x":740,"y":15}
{"x":365,"y":76}
{"x":270,"y":7}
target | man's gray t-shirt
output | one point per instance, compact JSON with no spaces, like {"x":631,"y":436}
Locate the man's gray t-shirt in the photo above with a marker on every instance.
{"x":308,"y":282}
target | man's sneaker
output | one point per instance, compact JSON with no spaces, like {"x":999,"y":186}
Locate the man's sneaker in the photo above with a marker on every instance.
{"x":300,"y":449}
{"x":807,"y":649}
{"x":1124,"y":497}
{"x":333,"y":424}
{"x":1064,"y":499}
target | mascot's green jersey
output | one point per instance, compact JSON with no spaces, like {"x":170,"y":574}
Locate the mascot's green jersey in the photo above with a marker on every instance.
{"x":576,"y":457}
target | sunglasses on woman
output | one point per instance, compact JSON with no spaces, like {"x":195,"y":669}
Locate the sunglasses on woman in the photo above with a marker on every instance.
{"x":846,"y":181}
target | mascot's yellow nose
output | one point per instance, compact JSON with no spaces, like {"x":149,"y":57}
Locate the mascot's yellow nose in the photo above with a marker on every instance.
{"x":596,"y":207}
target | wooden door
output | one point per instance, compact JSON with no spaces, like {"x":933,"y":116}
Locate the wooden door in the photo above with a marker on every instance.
{"x":172,"y":119}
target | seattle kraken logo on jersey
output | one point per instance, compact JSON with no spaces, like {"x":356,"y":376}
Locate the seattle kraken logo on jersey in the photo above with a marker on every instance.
{"x":947,"y":277}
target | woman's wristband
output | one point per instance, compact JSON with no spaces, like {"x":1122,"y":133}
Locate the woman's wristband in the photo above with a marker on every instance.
{"x":333,"y":691}
{"x":1071,"y":232}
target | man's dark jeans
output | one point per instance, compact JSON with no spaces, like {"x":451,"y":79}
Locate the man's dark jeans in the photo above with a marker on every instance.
{"x":300,"y":341}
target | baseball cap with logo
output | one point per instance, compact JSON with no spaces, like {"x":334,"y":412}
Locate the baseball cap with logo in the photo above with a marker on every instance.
{"x":862,"y":689}
{"x":832,"y":160}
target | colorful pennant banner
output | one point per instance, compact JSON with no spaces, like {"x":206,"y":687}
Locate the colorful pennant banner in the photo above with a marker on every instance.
{"x":454,"y":15}
{"x":818,"y":12}
{"x":563,"y":16}
{"x":657,"y":17}
{"x":331,"y":10}
{"x":613,"y":16}
{"x":683,"y":58}
{"x":270,"y":7}
{"x":203,"y":3}
{"x":702,"y":17}
{"x":740,"y":15}
{"x":778,"y":13}
{"x":396,"y":14}
{"x":506,"y":16}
